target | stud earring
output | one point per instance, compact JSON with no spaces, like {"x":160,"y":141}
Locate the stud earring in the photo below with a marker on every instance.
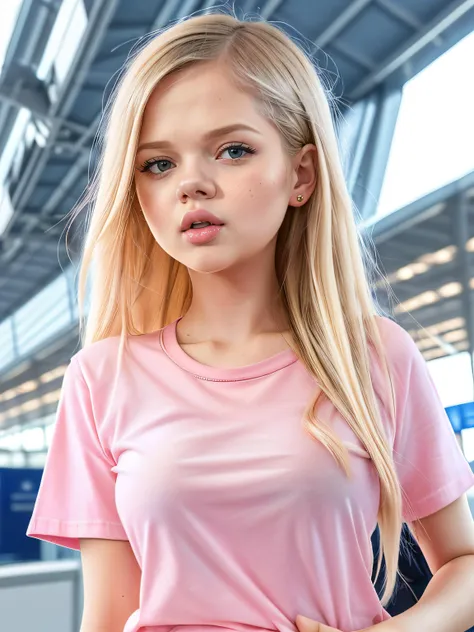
{"x":299,"y":198}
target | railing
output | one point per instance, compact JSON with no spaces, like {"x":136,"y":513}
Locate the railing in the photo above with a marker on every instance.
{"x":41,"y":596}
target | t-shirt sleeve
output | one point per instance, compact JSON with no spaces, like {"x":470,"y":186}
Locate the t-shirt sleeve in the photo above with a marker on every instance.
{"x":431,"y":467}
{"x":76,"y":498}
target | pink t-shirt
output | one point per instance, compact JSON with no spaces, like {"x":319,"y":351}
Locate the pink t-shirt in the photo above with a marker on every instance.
{"x":238,"y":518}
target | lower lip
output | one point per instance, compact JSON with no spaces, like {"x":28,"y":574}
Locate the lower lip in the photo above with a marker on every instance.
{"x":201,"y":236}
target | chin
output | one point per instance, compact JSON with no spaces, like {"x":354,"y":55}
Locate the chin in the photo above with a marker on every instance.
{"x":208,"y":262}
{"x":207,"y":267}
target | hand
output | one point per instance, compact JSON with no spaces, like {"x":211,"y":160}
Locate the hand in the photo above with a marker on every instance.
{"x":308,"y":625}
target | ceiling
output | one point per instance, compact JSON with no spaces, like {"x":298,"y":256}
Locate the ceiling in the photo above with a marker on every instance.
{"x":417,"y":249}
{"x":361,"y":44}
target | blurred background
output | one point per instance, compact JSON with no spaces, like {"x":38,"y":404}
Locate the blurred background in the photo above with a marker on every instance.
{"x":401,"y":75}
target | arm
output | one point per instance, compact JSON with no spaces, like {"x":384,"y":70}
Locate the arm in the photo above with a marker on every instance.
{"x":447,"y":541}
{"x":111,"y":577}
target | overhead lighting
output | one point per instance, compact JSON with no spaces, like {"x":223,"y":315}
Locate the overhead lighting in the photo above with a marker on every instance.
{"x":445,"y":325}
{"x":412,"y":304}
{"x":27,"y":387}
{"x":424,"y":263}
{"x":54,"y":374}
{"x":445,"y":255}
{"x":31,"y":405}
{"x":419,"y":267}
{"x":470,"y":245}
{"x":455,"y":336}
{"x":425,"y":343}
{"x":14,"y":412}
{"x":432,"y":354}
{"x":51,"y":398}
{"x":429,"y":297}
{"x":404,"y":273}
{"x":450,"y":289}
{"x":10,"y":394}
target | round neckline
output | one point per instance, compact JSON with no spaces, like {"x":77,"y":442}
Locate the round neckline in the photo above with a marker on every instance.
{"x":172,"y":348}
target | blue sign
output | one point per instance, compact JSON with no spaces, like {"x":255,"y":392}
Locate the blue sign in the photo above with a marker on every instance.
{"x":461,"y":416}
{"x":18,"y":491}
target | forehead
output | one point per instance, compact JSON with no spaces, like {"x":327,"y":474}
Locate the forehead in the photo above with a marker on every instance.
{"x":201,"y":96}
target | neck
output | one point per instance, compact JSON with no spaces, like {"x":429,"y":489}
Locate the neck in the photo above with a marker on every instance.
{"x":234,"y":306}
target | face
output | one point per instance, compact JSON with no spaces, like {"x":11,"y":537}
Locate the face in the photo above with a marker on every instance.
{"x":213,"y":179}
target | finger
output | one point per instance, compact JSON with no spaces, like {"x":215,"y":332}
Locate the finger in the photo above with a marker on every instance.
{"x":308,"y":625}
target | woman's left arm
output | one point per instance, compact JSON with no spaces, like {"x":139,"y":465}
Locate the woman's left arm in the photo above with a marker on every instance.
{"x":447,"y":541}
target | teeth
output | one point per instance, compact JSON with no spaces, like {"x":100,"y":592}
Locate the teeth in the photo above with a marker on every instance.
{"x":200,"y":224}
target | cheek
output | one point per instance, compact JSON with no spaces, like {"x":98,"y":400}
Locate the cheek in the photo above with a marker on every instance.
{"x":265,"y":192}
{"x":152,"y":202}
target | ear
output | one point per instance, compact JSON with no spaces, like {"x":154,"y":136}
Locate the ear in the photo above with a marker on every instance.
{"x":304,"y":175}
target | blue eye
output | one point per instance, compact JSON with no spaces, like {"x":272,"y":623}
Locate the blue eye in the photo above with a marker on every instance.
{"x":159,"y":166}
{"x":156,"y":166}
{"x":238,"y":151}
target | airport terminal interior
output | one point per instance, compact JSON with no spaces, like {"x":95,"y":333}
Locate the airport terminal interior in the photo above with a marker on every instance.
{"x":400,"y":76}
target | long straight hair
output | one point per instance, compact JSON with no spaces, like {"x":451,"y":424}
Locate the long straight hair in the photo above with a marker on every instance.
{"x":138,"y":288}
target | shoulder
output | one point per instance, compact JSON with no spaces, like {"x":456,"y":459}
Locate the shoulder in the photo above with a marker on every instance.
{"x":397,"y":344}
{"x":99,"y":361}
{"x":408,"y":371}
{"x":401,"y":357}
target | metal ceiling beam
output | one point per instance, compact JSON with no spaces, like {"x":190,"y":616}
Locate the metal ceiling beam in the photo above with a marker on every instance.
{"x":21,"y":101}
{"x":353,"y":56}
{"x":446,"y":18}
{"x":100,"y":17}
{"x":431,"y":314}
{"x":27,"y":43}
{"x":50,"y":274}
{"x":6,"y":278}
{"x":374,"y":164}
{"x":341,"y":22}
{"x":429,"y":237}
{"x":401,"y":13}
{"x":69,"y":180}
{"x":405,"y":251}
{"x":270,"y":8}
{"x":418,"y":211}
{"x":167,"y":11}
{"x":432,"y":279}
{"x":461,"y":229}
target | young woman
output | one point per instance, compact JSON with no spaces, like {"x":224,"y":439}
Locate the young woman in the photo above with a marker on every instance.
{"x":240,"y":419}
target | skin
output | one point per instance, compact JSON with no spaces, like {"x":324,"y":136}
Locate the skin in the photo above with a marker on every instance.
{"x":235,"y":317}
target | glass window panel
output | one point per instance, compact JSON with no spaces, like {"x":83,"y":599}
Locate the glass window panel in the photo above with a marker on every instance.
{"x":44,"y":315}
{"x":7,"y":353}
{"x":33,"y":439}
{"x":434,"y":136}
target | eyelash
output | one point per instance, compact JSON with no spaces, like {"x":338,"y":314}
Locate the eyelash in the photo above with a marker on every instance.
{"x":148,"y":164}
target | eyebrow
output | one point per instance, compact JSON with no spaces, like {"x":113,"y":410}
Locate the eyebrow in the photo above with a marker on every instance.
{"x":215,"y":133}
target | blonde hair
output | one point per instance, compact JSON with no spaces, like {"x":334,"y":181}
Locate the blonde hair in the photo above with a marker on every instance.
{"x":137,"y":288}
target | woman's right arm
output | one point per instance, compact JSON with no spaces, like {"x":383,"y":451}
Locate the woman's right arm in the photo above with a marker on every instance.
{"x":111,"y":577}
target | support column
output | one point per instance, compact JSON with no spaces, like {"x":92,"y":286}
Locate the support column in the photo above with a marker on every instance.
{"x":461,"y":235}
{"x":374,"y":164}
{"x":15,"y":347}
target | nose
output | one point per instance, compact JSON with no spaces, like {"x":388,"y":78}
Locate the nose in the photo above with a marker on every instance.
{"x":200,"y":188}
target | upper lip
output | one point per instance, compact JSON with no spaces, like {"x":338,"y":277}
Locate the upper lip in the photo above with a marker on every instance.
{"x":199,"y":216}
